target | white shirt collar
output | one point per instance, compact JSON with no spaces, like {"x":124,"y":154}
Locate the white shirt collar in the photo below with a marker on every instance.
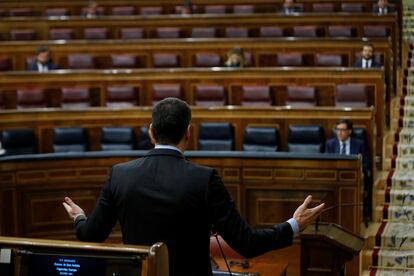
{"x":167,"y":147}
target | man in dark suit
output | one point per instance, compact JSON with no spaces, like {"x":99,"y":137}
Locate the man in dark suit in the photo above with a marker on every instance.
{"x":163,"y":197}
{"x":43,"y":62}
{"x":367,"y":60}
{"x":289,"y":7}
{"x":343,"y":143}
{"x":383,"y":7}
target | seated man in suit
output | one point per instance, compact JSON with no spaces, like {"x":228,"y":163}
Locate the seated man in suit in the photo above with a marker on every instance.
{"x":186,"y":8}
{"x":383,"y":7}
{"x":92,"y":11}
{"x":343,"y":143}
{"x":367,"y":60}
{"x":289,"y":7}
{"x":164,"y":197}
{"x":43,"y":62}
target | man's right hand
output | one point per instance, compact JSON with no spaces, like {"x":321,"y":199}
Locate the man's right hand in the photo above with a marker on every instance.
{"x":304,"y":215}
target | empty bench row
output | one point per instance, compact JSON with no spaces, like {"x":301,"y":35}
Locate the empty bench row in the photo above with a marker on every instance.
{"x":138,"y":9}
{"x":311,"y":30}
{"x":211,"y":137}
{"x":345,"y":95}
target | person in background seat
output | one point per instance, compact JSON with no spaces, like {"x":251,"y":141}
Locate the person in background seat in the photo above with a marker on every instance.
{"x":236,"y":58}
{"x":43,"y":63}
{"x":367,"y":59}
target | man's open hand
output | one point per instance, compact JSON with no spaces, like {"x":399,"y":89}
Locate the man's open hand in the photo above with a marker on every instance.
{"x":304,"y":215}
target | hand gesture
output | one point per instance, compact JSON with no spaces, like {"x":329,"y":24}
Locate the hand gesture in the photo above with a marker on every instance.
{"x":72,"y":209}
{"x":304,"y":215}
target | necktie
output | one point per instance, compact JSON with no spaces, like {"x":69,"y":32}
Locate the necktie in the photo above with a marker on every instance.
{"x":343,"y":148}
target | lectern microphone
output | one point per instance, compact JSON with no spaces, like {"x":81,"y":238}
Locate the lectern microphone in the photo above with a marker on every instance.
{"x":334,"y":207}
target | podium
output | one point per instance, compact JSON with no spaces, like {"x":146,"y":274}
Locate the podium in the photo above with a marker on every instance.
{"x":326,"y":250}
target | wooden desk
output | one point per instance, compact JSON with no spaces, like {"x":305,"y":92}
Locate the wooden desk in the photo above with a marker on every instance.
{"x":263,"y":51}
{"x":74,"y":7}
{"x":324,"y":79}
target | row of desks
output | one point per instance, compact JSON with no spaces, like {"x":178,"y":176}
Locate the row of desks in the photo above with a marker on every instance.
{"x":324,"y":79}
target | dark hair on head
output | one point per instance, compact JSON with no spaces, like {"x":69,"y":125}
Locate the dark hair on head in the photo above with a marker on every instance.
{"x":170,"y":120}
{"x":42,"y":49}
{"x":347,"y":122}
{"x":368,"y":45}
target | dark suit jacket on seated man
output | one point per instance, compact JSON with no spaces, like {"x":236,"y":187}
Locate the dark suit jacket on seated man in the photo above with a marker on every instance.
{"x":343,"y":143}
{"x":383,"y":7}
{"x":163,"y":197}
{"x":43,"y":62}
{"x":367,"y":60}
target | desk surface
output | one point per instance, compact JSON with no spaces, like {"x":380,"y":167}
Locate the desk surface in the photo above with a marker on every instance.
{"x":261,"y":265}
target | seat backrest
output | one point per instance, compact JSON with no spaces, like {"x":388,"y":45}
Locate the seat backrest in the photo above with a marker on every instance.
{"x":70,"y":139}
{"x":21,"y":12}
{"x":123,"y":10}
{"x":19,"y":141}
{"x":307,"y":139}
{"x":351,"y":95}
{"x":2,"y":101}
{"x":301,"y":96}
{"x":81,"y":61}
{"x":123,"y":61}
{"x":6,"y":64}
{"x":22,"y":34}
{"x":144,"y":139}
{"x":61,"y":33}
{"x":203,"y":32}
{"x":209,"y":95}
{"x":261,"y":139}
{"x":236,"y":32}
{"x":218,"y":9}
{"x":376,"y":31}
{"x":132,"y":33}
{"x":150,"y":11}
{"x":162,"y":91}
{"x":168,"y":32}
{"x":290,"y":59}
{"x":57,"y":12}
{"x":306,"y":31}
{"x":95,"y":33}
{"x":207,"y":60}
{"x":165,"y":60}
{"x":243,"y":9}
{"x":256,"y":95}
{"x":352,"y":7}
{"x":31,"y":98}
{"x":341,"y":31}
{"x":121,"y":96}
{"x":76,"y":97}
{"x":328,"y":60}
{"x":216,"y":136}
{"x":271,"y":31}
{"x":117,"y":138}
{"x":323,"y":7}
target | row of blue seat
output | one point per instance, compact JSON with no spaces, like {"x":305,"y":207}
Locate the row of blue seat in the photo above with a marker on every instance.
{"x":212,"y":137}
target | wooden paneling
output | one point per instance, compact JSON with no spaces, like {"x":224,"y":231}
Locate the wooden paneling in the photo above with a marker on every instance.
{"x":36,"y":206}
